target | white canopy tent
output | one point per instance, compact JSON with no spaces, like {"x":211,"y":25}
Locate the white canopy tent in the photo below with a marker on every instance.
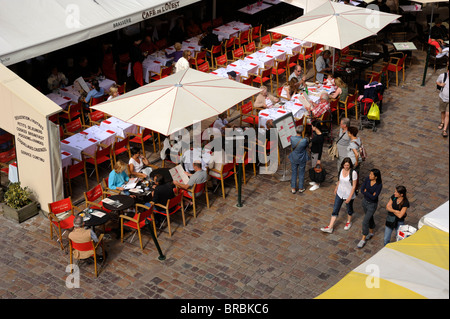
{"x":29,"y":28}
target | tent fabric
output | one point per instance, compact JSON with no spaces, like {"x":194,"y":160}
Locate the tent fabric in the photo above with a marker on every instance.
{"x":413,"y":268}
{"x":29,"y":28}
{"x":438,"y":218}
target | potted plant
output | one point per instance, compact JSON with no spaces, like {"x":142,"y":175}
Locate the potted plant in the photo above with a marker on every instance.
{"x":18,"y":203}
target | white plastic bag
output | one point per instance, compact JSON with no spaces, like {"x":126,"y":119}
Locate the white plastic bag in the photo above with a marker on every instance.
{"x":405,"y":231}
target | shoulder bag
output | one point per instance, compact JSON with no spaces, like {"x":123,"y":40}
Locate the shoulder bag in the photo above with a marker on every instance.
{"x":332,"y":149}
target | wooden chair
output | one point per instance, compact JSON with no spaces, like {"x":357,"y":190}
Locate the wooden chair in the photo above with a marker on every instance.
{"x":396,"y":64}
{"x":379,"y":75}
{"x":306,"y":54}
{"x":334,"y":107}
{"x":350,"y":102}
{"x":200,"y":58}
{"x":61,"y":216}
{"x":102,"y":155}
{"x":348,"y":54}
{"x":73,"y":171}
{"x":122,"y":89}
{"x":242,"y":39}
{"x":74,"y":127}
{"x":280,"y":69}
{"x":255,"y":33}
{"x":93,"y":198}
{"x":196,"y":189}
{"x":228,"y":45}
{"x":248,"y":115}
{"x":276,"y":36}
{"x":237,"y":54}
{"x":206,"y":25}
{"x":106,"y":188}
{"x":161,"y":44}
{"x":433,"y":57}
{"x":163,"y":73}
{"x":173,"y":205}
{"x":97,"y":100}
{"x":227,"y":170}
{"x":214,"y":51}
{"x":264,"y":41}
{"x":221,"y":61}
{"x":265,"y":75}
{"x":73,"y":111}
{"x":121,"y":145}
{"x":292,"y":61}
{"x":88,"y":246}
{"x":247,"y":159}
{"x":204,"y":67}
{"x":95,"y":117}
{"x":250,"y":48}
{"x":143,"y":214}
{"x":141,"y":137}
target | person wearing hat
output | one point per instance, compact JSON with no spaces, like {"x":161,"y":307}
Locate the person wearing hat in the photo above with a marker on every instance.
{"x":232,"y":75}
{"x":80,"y":235}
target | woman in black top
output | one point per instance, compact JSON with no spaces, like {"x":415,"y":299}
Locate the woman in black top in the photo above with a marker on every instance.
{"x":370,"y":189}
{"x":396,"y":207}
{"x":316,"y":148}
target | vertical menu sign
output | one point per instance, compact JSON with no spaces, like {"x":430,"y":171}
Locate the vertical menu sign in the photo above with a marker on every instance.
{"x":30,"y":135}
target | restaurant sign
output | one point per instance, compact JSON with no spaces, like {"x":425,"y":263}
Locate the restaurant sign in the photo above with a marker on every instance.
{"x":164,"y":8}
{"x":30,"y":134}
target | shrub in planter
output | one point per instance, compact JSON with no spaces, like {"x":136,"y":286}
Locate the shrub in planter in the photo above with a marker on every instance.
{"x":19,"y":205}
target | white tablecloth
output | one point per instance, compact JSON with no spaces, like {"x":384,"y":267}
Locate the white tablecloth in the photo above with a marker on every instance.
{"x":289,"y":46}
{"x":61,"y":100}
{"x":243,"y":67}
{"x":71,"y":93}
{"x":118,"y":126}
{"x":297,"y":110}
{"x":78,"y":143}
{"x":66,"y":159}
{"x":223,"y":72}
{"x":276,"y":53}
{"x":231,"y":29}
{"x":254,"y":8}
{"x":106,"y":137}
{"x":13,"y":175}
{"x":153,"y":62}
{"x":263,"y":60}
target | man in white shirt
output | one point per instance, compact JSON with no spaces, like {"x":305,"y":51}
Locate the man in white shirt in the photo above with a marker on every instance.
{"x":442,"y":82}
{"x":322,"y":65}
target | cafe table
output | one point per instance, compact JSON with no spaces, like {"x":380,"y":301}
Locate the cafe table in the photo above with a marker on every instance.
{"x":118,"y":203}
{"x":231,"y":29}
{"x":290,"y":45}
{"x":106,"y":137}
{"x":79,"y":143}
{"x":255,"y":8}
{"x":154,"y":62}
{"x":97,"y":217}
{"x":275,"y":52}
{"x":118,"y":126}
{"x":263,"y":60}
{"x":297,"y":110}
{"x":66,"y":159}
{"x":73,"y":94}
{"x":243,"y":67}
{"x":223,"y":72}
{"x":62,"y":101}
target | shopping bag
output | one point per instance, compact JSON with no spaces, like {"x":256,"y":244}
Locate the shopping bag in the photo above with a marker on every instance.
{"x":333,"y":151}
{"x":374,"y":112}
{"x":405,"y":231}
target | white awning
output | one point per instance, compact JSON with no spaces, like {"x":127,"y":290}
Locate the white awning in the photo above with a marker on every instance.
{"x":29,"y":28}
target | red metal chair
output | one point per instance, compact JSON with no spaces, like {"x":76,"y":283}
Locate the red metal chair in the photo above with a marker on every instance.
{"x":101,"y":156}
{"x":73,"y":171}
{"x":196,"y":189}
{"x":264,"y":76}
{"x":138,"y":221}
{"x":61,"y":216}
{"x":121,"y":145}
{"x":87,"y":246}
{"x":173,"y":205}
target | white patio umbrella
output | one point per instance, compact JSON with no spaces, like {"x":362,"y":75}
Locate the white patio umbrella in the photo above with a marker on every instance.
{"x":307,"y":5}
{"x":177,"y":101}
{"x":336,"y":25}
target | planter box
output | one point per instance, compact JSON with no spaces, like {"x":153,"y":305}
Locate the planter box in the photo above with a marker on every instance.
{"x":22,"y":214}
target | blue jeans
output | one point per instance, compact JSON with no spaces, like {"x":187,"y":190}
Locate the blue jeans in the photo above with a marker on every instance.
{"x":338,"y":204}
{"x":388,"y":232}
{"x":298,"y":171}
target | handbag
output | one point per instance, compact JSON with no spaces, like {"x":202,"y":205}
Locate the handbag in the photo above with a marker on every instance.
{"x":333,"y":150}
{"x":391,"y":221}
{"x":362,"y":152}
{"x":374,"y":112}
{"x":317,"y":174}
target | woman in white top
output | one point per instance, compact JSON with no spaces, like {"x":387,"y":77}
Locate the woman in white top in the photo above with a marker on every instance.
{"x":113,"y":92}
{"x":183,"y":62}
{"x":138,"y":164}
{"x":345,"y":192}
{"x":288,"y":90}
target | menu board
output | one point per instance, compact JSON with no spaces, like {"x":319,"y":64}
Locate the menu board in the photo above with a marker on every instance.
{"x":179,"y":175}
{"x":286,"y":128}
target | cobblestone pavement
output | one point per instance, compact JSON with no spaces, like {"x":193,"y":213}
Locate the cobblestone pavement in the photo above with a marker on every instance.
{"x":272,"y":247}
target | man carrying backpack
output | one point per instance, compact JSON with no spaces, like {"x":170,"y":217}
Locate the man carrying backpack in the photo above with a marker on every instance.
{"x":442,"y":84}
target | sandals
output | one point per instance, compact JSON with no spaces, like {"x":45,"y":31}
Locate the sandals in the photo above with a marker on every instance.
{"x":444,"y":133}
{"x":441,"y":126}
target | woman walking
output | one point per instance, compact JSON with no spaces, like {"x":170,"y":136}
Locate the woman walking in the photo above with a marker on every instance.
{"x":370,"y":189}
{"x":345,"y":192}
{"x":396,"y":207}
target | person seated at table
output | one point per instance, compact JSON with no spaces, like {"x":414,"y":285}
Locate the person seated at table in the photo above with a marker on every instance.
{"x":265,"y":99}
{"x":96,"y":92}
{"x":299,"y":75}
{"x":232,"y":75}
{"x":200,"y":176}
{"x":208,"y":39}
{"x":176,"y":55}
{"x":221,"y":123}
{"x":161,"y":193}
{"x":289,"y":89}
{"x":193,"y":29}
{"x":118,"y":177}
{"x":81,"y":235}
{"x":439,"y":51}
{"x":56,"y":80}
{"x":319,"y":108}
{"x":113,"y":92}
{"x":183,"y":62}
{"x":138,"y":164}
{"x":322,"y":65}
{"x":341,"y":90}
{"x":147,"y":45}
{"x":330,"y":81}
{"x":439,"y":32}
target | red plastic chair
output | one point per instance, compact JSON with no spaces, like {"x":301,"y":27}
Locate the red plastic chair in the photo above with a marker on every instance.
{"x":57,"y":210}
{"x":138,"y":221}
{"x":173,"y":205}
{"x":87,"y":246}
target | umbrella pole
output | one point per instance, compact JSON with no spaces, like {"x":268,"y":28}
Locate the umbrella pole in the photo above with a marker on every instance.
{"x":161,"y":256}
{"x":239,"y":203}
{"x":332,"y":69}
{"x":429,"y":49}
